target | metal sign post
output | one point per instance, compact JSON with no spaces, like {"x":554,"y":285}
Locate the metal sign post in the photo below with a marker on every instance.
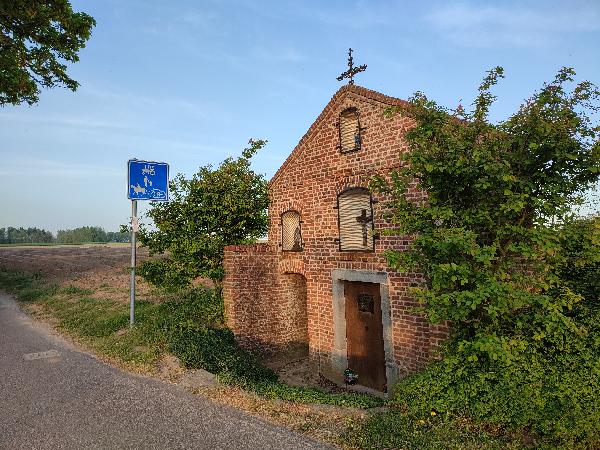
{"x":146,"y":180}
{"x":134,"y":229}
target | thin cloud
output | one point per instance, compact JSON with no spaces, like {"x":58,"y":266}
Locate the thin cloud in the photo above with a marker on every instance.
{"x":62,"y":121}
{"x":128,"y":101}
{"x":351,"y":15}
{"x":34,"y":167}
{"x":118,"y":113}
{"x":473,"y":25}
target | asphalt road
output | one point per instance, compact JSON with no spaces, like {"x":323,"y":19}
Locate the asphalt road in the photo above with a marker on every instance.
{"x":54,"y":396}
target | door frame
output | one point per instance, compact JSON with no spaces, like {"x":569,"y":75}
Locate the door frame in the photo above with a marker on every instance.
{"x":339,"y":356}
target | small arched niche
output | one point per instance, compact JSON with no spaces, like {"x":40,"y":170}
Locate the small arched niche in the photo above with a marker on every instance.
{"x":291,"y":232}
{"x":350,"y":139}
{"x":295,"y":324}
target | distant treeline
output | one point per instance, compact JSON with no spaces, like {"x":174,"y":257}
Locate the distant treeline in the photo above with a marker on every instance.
{"x":89,"y":234}
{"x":79,"y":235}
{"x":13,"y":235}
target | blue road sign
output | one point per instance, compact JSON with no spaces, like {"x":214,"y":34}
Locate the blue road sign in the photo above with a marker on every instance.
{"x":147,"y":180}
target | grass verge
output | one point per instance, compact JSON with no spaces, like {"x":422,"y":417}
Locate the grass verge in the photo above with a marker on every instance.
{"x":189,"y":325}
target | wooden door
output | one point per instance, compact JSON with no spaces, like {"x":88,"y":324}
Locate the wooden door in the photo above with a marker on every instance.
{"x":364,"y":333}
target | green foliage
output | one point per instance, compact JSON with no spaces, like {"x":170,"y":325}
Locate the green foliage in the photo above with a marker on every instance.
{"x":196,"y":308}
{"x":89,"y":234}
{"x":580,"y":267}
{"x":117,"y":236}
{"x":489,"y":240}
{"x":216,"y":351}
{"x":76,"y":290}
{"x":37,"y":38}
{"x":197,"y":338}
{"x":301,"y":394}
{"x":36,"y":291}
{"x":92,"y":317}
{"x":551,"y":388}
{"x":103,"y":323}
{"x":81,"y":235}
{"x":32,"y":235}
{"x":401,"y":430}
{"x":21,"y":235}
{"x":165,"y":273}
{"x":28,"y":287}
{"x":215,"y":208}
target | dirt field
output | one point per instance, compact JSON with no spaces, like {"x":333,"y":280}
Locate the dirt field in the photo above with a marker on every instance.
{"x":105,"y":270}
{"x":94,"y":266}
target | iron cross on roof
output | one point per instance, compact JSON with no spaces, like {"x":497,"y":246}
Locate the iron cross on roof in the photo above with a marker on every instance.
{"x":351,"y":69}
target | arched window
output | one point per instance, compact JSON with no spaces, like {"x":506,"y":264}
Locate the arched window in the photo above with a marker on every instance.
{"x":349,"y":130}
{"x":355,"y":218}
{"x":291,"y":232}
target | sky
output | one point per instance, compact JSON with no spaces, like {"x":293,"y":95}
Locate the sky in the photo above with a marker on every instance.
{"x":190,"y":82}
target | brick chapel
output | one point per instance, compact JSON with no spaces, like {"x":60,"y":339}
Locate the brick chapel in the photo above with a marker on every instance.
{"x":320,"y":287}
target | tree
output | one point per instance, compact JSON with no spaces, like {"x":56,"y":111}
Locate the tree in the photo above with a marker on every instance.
{"x":489,"y":239}
{"x":37,"y":235}
{"x":215,"y":208}
{"x":81,"y":235}
{"x":21,"y":235}
{"x":117,"y":236}
{"x":37,"y":39}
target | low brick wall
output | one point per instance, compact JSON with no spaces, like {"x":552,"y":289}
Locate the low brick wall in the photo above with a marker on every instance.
{"x":265,"y":310}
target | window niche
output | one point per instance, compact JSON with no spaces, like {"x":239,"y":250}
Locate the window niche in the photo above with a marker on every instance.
{"x":349,"y":125}
{"x":355,"y":220}
{"x":291,"y":232}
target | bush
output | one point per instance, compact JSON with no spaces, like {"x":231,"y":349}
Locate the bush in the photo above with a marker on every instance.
{"x":213,"y":209}
{"x":501,"y":260}
{"x":552,"y":385}
{"x":552,"y":390}
{"x":164,"y":273}
{"x":580,"y":268}
{"x":215,"y":350}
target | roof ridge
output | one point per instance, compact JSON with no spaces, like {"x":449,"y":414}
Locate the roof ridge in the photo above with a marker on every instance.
{"x":368,"y":93}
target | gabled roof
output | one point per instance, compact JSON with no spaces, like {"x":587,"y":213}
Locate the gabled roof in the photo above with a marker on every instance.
{"x":342,"y":92}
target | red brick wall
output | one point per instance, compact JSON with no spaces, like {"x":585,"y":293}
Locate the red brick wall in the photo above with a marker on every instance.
{"x":309,"y":182}
{"x":265,"y":309}
{"x":293,"y":301}
{"x":248,"y":289}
